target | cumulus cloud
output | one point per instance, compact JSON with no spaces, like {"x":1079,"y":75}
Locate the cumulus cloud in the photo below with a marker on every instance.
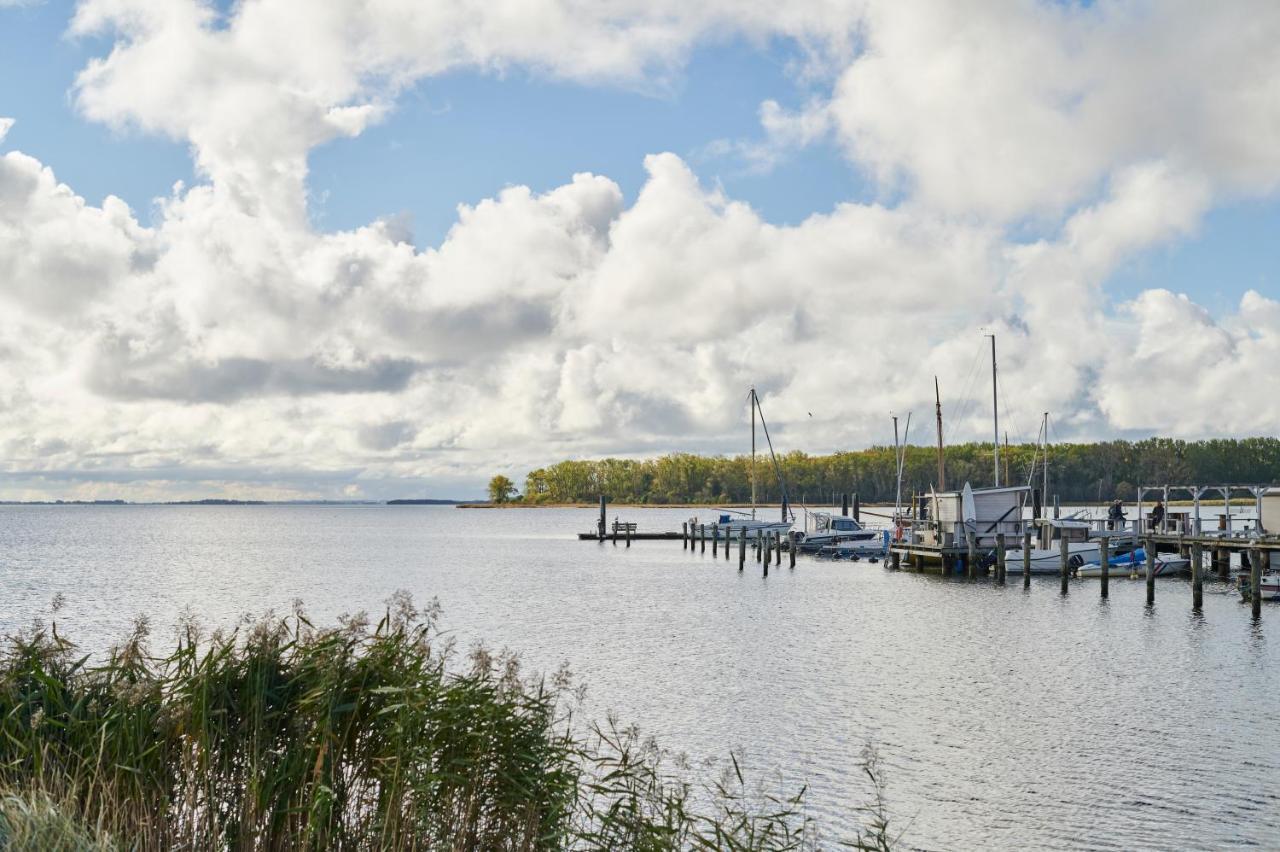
{"x":231,"y":342}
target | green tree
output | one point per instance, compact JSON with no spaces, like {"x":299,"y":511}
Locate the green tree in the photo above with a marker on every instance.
{"x":501,"y":489}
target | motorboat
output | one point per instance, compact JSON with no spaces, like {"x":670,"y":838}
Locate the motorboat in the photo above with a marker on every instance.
{"x":872,"y":549}
{"x":827,"y":530}
{"x":1270,"y":587}
{"x":732,"y":527}
{"x":1135,"y":561}
{"x":1081,"y":548}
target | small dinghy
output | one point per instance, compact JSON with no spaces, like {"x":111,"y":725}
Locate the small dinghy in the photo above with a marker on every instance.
{"x":1135,"y":561}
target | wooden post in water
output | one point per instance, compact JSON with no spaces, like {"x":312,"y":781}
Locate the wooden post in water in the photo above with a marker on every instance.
{"x":1026,"y":560}
{"x":742,"y":549}
{"x":728,"y":540}
{"x":1255,"y":581}
{"x":604,"y":520}
{"x":791,"y":549}
{"x":895,"y":560}
{"x":715,"y":540}
{"x":1104,"y":551}
{"x":857,"y":508}
{"x":702,"y":534}
{"x":971,"y":561}
{"x":1149,"y":546}
{"x":628,"y":531}
{"x":756,"y":545}
{"x":1222,"y":561}
{"x":768,"y":552}
{"x":1065,"y":555}
{"x":1197,"y":575}
{"x":684,"y":536}
{"x":615,"y":532}
{"x":844,"y":505}
{"x":777,"y":548}
{"x":1000,"y":558}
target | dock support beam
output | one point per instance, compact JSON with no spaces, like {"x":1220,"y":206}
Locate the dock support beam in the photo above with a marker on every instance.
{"x":1000,"y":559}
{"x":684,"y":536}
{"x":1065,"y":557}
{"x":1026,"y":560}
{"x":715,"y":541}
{"x":1222,"y":562}
{"x":895,"y":560}
{"x":1197,"y":576}
{"x":1255,"y":581}
{"x":742,"y":549}
{"x":1149,"y":547}
{"x":1104,"y":551}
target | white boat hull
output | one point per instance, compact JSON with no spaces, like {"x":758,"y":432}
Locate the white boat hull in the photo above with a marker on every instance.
{"x":1162,"y":568}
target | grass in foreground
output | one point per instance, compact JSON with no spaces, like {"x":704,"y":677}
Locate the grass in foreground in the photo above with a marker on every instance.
{"x":282,"y":736}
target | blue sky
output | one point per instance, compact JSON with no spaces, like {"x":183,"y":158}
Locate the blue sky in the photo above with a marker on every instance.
{"x":461,"y":137}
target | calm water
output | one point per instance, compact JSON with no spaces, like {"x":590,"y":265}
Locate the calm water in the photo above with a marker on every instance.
{"x":1005,"y":718}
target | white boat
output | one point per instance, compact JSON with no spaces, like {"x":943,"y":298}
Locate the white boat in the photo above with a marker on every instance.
{"x":1135,"y":561}
{"x":1080,"y":551}
{"x":830,"y":530}
{"x":732,"y":527}
{"x":1270,"y":586}
{"x":874,"y":548}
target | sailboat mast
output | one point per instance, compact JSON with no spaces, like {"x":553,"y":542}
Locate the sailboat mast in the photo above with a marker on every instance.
{"x":995,"y":409}
{"x":1045,"y":490}
{"x":753,"y":453}
{"x":942,"y":468}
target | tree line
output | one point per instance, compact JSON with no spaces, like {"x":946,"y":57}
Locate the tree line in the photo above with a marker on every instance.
{"x":1077,"y":472}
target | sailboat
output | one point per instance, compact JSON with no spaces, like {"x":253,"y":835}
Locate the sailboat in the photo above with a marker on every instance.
{"x":734,"y":524}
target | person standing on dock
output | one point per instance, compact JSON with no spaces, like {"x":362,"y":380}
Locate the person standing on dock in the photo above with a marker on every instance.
{"x":1115,"y":516}
{"x":1157,"y":515}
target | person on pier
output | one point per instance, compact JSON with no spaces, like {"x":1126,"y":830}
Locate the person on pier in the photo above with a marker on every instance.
{"x":1157,"y":515}
{"x":1115,"y":517}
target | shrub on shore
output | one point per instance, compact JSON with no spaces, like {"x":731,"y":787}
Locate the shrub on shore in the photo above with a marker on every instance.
{"x":279,"y":735}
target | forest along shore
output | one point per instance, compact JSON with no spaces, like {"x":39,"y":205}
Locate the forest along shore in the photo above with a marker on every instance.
{"x":1080,"y":473}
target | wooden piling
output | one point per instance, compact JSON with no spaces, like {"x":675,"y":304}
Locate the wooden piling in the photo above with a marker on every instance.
{"x":1197,"y":575}
{"x":791,"y":549}
{"x":857,"y":508}
{"x":1026,"y":560}
{"x":1149,"y":547}
{"x":1000,"y":559}
{"x":1104,"y":551}
{"x":844,"y":505}
{"x":768,"y":552}
{"x":715,"y":540}
{"x":1222,"y":562}
{"x":604,"y":520}
{"x":756,"y":545}
{"x":777,"y":548}
{"x":742,"y":549}
{"x":628,"y":531}
{"x":728,"y":540}
{"x":1065,"y":556}
{"x":1255,"y":582}
{"x":684,"y":536}
{"x":615,"y":532}
{"x":895,"y":560}
{"x":971,"y":562}
{"x":702,"y":534}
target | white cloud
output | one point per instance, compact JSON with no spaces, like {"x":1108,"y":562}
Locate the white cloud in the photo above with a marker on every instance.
{"x":230,"y":342}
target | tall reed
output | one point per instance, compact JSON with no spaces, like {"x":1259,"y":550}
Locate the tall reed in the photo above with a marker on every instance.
{"x":282,"y":736}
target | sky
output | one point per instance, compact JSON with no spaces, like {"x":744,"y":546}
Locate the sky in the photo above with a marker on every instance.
{"x":373,"y":249}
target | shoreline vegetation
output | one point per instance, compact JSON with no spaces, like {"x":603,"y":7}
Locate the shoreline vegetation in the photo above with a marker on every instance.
{"x":281,"y":735}
{"x":1078,"y":473}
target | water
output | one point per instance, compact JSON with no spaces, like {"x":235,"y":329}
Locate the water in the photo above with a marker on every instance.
{"x":1004,"y":718}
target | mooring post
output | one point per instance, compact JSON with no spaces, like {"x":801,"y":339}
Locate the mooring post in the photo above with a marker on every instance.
{"x":768,"y":552}
{"x":1104,"y":551}
{"x":777,"y":548}
{"x":1222,"y":561}
{"x":895,"y":560}
{"x":857,"y":509}
{"x":1026,"y":560}
{"x":1197,"y":575}
{"x":615,"y":532}
{"x":628,"y":530}
{"x":604,"y":520}
{"x":971,"y":562}
{"x":715,"y":540}
{"x":1065,"y":556}
{"x":791,"y":548}
{"x":742,"y":548}
{"x":844,"y":505}
{"x":1149,"y":546}
{"x":728,"y":540}
{"x":684,"y":536}
{"x":702,"y":536}
{"x":1255,"y":581}
{"x":1000,"y":557}
{"x":756,"y":546}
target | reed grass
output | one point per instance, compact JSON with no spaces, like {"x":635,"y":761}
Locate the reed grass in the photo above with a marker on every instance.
{"x":281,"y":736}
